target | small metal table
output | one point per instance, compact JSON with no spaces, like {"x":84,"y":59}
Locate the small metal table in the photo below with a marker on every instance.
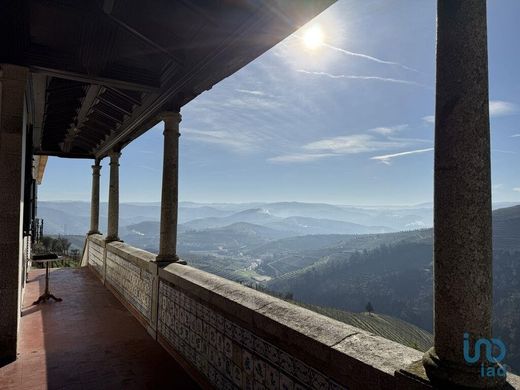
{"x":46,"y":258}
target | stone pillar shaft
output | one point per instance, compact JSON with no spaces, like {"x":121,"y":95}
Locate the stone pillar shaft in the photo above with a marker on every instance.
{"x":94,"y":204}
{"x":462,"y":193}
{"x":170,"y":188}
{"x":113,"y":198}
{"x":13,"y":119}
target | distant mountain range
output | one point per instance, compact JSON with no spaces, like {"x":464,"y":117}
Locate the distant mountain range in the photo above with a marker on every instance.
{"x":68,"y":217}
{"x":331,"y":258}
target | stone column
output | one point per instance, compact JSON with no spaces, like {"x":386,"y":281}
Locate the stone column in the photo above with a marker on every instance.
{"x":94,"y":204}
{"x":13,"y":81}
{"x":462,"y":195}
{"x":170,"y":188}
{"x":113,"y":198}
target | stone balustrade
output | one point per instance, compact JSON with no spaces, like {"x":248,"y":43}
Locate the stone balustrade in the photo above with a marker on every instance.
{"x":228,"y":336}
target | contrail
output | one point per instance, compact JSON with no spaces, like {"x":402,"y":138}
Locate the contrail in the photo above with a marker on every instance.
{"x":354,"y":77}
{"x":367,"y":57}
{"x":386,"y":158}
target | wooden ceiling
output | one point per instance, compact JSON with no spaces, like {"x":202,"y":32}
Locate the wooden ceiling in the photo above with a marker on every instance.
{"x":102,"y":70}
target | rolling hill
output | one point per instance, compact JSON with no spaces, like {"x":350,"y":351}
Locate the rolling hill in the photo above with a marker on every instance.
{"x":382,"y":325}
{"x":397,"y":278}
{"x":73,"y":216}
{"x":296,"y":225}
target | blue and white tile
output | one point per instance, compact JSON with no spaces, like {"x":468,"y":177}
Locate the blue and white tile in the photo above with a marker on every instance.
{"x":247,"y":362}
{"x":272,"y":378}
{"x":286,"y":383}
{"x":259,"y":368}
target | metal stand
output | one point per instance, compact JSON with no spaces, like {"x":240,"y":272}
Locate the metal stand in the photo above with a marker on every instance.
{"x":46,"y":295}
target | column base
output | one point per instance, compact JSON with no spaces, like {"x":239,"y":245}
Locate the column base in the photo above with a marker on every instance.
{"x":91,"y":232}
{"x":112,"y":238}
{"x":164,"y":260}
{"x":452,"y":375}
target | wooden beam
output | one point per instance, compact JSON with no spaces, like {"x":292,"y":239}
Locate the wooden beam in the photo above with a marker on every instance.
{"x":113,"y":105}
{"x":123,"y":95}
{"x":96,"y":80}
{"x":109,"y":117}
{"x":86,"y":105}
{"x":64,"y":155}
{"x":87,"y":130}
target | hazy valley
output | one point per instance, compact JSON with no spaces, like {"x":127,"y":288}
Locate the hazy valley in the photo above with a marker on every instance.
{"x":349,"y":255}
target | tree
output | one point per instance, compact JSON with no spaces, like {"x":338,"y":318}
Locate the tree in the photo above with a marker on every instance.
{"x":65,"y":245}
{"x":74,"y":254}
{"x":369,"y":308}
{"x":46,"y":241}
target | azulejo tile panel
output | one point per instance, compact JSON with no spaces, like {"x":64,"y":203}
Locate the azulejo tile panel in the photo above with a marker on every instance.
{"x":229,"y":356}
{"x":132,"y":282}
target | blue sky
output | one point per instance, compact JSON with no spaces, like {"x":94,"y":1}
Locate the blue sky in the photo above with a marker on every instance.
{"x":347,"y":122}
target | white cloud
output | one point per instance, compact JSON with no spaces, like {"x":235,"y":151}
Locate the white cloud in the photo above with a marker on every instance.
{"x":350,"y":144}
{"x":355,"y":77}
{"x":429,"y":118}
{"x":253,"y":103}
{"x":241,"y":142}
{"x":250,"y":92}
{"x":388,"y":130}
{"x":300,"y":157}
{"x":515,"y":135}
{"x":502,"y":108}
{"x":385,"y":159}
{"x":517,"y":189}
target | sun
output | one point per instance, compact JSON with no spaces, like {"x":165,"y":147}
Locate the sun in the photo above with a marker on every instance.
{"x":313,"y":37}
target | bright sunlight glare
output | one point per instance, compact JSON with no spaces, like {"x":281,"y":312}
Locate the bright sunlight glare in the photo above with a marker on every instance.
{"x":313,"y":37}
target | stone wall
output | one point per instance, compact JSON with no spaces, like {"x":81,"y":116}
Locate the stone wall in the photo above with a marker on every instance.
{"x":132,"y":281}
{"x":129,"y":272}
{"x":238,"y":337}
{"x":96,"y":253}
{"x":228,"y":336}
{"x":228,"y":355}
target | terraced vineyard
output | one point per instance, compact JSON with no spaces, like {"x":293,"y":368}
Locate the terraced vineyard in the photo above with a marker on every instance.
{"x":223,"y":266}
{"x":382,"y":325}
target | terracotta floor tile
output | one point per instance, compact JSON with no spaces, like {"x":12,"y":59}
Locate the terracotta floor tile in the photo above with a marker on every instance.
{"x":87,"y":341}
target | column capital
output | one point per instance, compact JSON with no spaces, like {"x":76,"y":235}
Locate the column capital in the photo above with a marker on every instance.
{"x":170,"y":117}
{"x":114,"y":157}
{"x":96,"y":169}
{"x":114,"y":154}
